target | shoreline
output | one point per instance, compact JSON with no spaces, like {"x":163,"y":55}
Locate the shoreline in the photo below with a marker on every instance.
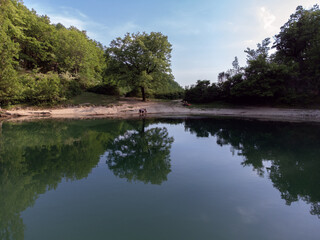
{"x":130,"y":109}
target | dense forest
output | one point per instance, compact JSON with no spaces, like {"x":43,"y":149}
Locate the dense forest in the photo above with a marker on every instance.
{"x":49,"y":63}
{"x":290,"y":75}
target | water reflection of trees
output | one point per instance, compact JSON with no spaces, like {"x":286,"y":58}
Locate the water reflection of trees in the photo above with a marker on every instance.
{"x":293,"y":150}
{"x":141,"y":155}
{"x":36,"y":156}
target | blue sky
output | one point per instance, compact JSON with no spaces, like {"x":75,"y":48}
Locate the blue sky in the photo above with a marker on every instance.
{"x":206,"y":34}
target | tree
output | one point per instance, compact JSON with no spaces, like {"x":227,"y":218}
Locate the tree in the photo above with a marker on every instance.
{"x":8,"y":53}
{"x":223,"y":76}
{"x":80,"y":56}
{"x":263,"y":81}
{"x":236,"y":69}
{"x":236,"y":66}
{"x":140,"y":60}
{"x":298,"y":45}
{"x":36,"y":41}
{"x":261,"y":51}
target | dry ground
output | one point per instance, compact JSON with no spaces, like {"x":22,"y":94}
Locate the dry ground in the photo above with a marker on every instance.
{"x":129,"y":107}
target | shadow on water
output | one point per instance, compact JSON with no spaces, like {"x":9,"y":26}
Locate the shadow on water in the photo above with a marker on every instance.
{"x":287,"y":153}
{"x":36,"y":156}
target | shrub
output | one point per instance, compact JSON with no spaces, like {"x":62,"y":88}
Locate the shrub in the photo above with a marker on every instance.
{"x":42,"y":88}
{"x":202,"y":92}
{"x":71,"y":87}
{"x":170,"y":95}
{"x":106,"y":89}
{"x":136,"y":92}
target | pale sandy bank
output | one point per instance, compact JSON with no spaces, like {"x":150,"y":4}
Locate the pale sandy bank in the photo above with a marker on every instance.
{"x":130,"y":108}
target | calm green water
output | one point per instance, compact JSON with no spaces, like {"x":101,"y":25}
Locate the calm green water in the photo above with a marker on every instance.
{"x":159,"y":179}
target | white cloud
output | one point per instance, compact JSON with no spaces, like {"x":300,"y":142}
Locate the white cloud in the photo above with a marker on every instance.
{"x":267,"y":19}
{"x":64,"y":15}
{"x":70,"y":11}
{"x":69,"y":16}
{"x":68,"y":21}
{"x":95,"y":30}
{"x":274,"y":14}
{"x":82,"y":14}
{"x":120,"y":30}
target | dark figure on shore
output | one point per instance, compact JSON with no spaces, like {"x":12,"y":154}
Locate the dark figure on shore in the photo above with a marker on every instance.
{"x":142,"y":111}
{"x":185,"y":103}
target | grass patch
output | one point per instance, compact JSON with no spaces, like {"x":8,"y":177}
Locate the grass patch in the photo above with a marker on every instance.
{"x":85,"y":98}
{"x":89,"y":98}
{"x":217,"y":104}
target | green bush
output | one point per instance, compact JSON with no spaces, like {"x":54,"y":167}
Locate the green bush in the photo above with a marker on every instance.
{"x":42,"y":88}
{"x":106,"y":89}
{"x":170,"y":95}
{"x":71,"y":87}
{"x":202,"y":92}
{"x":136,"y":92}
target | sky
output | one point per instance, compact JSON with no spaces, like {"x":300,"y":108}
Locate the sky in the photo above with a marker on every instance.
{"x":206,"y":35}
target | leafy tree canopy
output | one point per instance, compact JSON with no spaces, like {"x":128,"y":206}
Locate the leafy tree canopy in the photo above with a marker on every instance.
{"x":31,"y":48}
{"x":140,"y":60}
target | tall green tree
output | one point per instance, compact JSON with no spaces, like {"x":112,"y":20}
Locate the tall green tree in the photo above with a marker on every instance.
{"x":36,"y":41}
{"x":298,"y":45}
{"x":140,"y":60}
{"x":261,"y":51}
{"x":8,"y":52}
{"x":79,"y":55}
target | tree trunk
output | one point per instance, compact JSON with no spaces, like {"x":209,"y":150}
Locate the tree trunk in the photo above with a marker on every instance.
{"x":143,"y":94}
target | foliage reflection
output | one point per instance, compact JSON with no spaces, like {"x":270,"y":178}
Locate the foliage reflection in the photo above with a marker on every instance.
{"x":36,"y":156}
{"x":141,"y":155}
{"x":290,"y":150}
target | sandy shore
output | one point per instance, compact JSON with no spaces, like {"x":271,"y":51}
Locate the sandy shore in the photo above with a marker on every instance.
{"x":130,"y":109}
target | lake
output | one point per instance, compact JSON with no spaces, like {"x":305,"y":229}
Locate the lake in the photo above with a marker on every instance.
{"x":212,"y":178}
